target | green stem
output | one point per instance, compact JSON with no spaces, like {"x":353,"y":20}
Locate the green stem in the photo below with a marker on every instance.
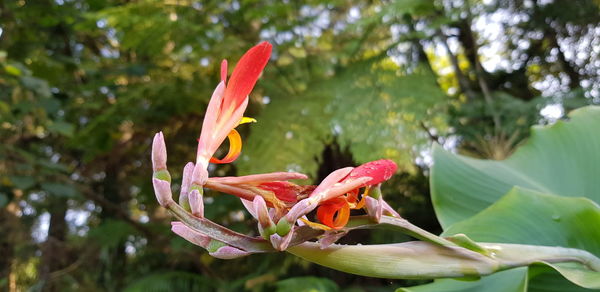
{"x":516,"y":255}
{"x":398,"y":224}
{"x":426,"y":260}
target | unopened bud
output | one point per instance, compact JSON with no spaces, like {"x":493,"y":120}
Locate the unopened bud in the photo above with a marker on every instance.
{"x":186,"y":180}
{"x":281,"y":243}
{"x":196,"y":203}
{"x":228,"y":252}
{"x":159,"y":153}
{"x":184,"y":199}
{"x":374,"y":208}
{"x":190,"y":235}
{"x":267,"y":232}
{"x":283,"y":227}
{"x":262,"y":213}
{"x":162,"y":190}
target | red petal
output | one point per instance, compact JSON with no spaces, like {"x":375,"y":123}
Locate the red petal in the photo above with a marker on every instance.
{"x":245,"y":74}
{"x":378,"y":170}
{"x":283,"y":190}
{"x":224,"y":70}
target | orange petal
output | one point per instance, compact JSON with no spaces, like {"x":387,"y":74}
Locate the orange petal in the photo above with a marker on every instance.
{"x":343,"y":215}
{"x":352,"y":196}
{"x":235,"y":148}
{"x":362,"y":201}
{"x":334,"y":213}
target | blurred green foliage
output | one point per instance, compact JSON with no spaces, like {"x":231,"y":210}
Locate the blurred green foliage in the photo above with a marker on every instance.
{"x":84,"y":84}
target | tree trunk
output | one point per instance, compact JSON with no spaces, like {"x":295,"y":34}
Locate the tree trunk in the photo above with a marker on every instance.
{"x":112,"y":272}
{"x":53,"y":249}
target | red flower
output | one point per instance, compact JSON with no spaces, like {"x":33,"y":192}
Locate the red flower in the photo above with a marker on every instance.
{"x":226,"y":109}
{"x":335,"y":213}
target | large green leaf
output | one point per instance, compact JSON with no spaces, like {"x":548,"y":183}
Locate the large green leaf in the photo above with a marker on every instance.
{"x":511,"y":280}
{"x":529,"y":217}
{"x":306,"y":284}
{"x":553,"y":203}
{"x":171,"y":281}
{"x":561,"y":159}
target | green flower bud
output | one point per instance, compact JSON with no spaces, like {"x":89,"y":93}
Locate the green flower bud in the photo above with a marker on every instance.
{"x":283,"y":227}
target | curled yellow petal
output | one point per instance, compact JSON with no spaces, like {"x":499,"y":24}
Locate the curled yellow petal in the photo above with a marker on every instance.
{"x":246,"y":120}
{"x":315,"y":225}
{"x":363,"y":200}
{"x":235,"y":148}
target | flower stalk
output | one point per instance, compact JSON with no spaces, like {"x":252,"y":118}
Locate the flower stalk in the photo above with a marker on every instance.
{"x":284,"y":209}
{"x":425,"y":260}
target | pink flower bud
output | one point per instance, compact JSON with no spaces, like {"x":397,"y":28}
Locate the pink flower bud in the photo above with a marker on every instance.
{"x":229,"y":252}
{"x":196,"y":203}
{"x":374,"y":208}
{"x":162,"y":190}
{"x":262,"y":212}
{"x":281,"y":243}
{"x":159,"y":152}
{"x":190,"y":234}
{"x":186,"y":180}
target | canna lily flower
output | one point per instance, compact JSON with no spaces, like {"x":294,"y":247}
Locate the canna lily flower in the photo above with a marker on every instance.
{"x":338,"y":194}
{"x":334,"y":198}
{"x":335,"y":213}
{"x":226,"y":108}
